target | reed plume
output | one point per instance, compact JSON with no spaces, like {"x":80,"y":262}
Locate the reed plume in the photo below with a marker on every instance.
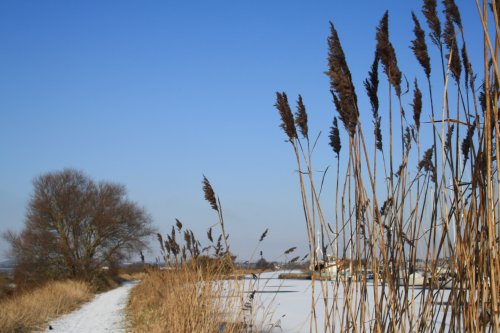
{"x":294,"y":259}
{"x":430,"y":13}
{"x":290,"y":250}
{"x":449,"y":134}
{"x":188,"y":240}
{"x":342,"y":89}
{"x":209,"y":235}
{"x":467,"y":66}
{"x":452,"y":11}
{"x":387,"y":54}
{"x":209,"y":194}
{"x":371,"y":87}
{"x":419,"y":46}
{"x":482,"y":98}
{"x":178,"y":224}
{"x":301,"y":117}
{"x":385,"y":206}
{"x":264,"y":234}
{"x":426,"y":162}
{"x":335,"y":137}
{"x":417,"y":106}
{"x":287,"y":121}
{"x":467,"y":142}
{"x":218,"y":247}
{"x":378,"y":133}
{"x":407,"y":139}
{"x":160,"y":240}
{"x":450,"y":41}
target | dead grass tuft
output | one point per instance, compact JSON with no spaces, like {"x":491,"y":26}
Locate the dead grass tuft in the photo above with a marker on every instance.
{"x":183,"y":300}
{"x":31,"y":309}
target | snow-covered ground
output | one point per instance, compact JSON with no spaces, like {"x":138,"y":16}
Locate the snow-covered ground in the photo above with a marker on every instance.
{"x":105,"y":313}
{"x":282,"y":305}
{"x":285,"y":305}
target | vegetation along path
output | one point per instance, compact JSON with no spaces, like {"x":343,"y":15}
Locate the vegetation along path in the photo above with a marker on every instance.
{"x":105,"y":313}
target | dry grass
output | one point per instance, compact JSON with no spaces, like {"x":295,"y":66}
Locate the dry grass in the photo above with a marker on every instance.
{"x":199,"y":289}
{"x":31,"y":309}
{"x":131,"y":276}
{"x":184,"y":300}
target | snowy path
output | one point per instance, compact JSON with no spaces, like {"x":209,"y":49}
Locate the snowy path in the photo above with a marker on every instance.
{"x":105,"y":313}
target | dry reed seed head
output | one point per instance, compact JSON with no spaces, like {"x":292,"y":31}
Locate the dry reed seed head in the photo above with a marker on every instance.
{"x":385,"y":206}
{"x":467,"y":65}
{"x":401,"y":168}
{"x":430,"y":13}
{"x":336,"y":101}
{"x":426,"y":162}
{"x":209,"y":194}
{"x":344,"y":94}
{"x":378,"y":133}
{"x":419,"y":46}
{"x":209,"y":235}
{"x":196,"y":245}
{"x":482,"y":99}
{"x":184,"y":254}
{"x":287,"y":121}
{"x":174,"y":247}
{"x":451,"y":10}
{"x":449,"y":134}
{"x":407,"y":139}
{"x":264,"y":234}
{"x":290,"y":250}
{"x":187,"y":239}
{"x":178,"y":224}
{"x":335,"y":137}
{"x":467,"y":142}
{"x":304,"y":257}
{"x":371,"y":85}
{"x":160,"y":239}
{"x":387,"y":54}
{"x":218,"y":247}
{"x":172,"y":233}
{"x":417,"y":105}
{"x":294,"y":259}
{"x":167,"y":247}
{"x":141,"y":254}
{"x":301,"y":117}
{"x":450,"y":40}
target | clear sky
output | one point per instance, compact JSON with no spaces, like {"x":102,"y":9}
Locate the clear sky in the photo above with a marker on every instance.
{"x":154,"y":94}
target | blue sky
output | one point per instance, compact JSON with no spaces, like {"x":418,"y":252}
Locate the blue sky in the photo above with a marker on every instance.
{"x":154,"y":94}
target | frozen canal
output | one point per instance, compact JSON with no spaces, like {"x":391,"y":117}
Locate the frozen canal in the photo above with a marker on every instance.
{"x":285,"y":305}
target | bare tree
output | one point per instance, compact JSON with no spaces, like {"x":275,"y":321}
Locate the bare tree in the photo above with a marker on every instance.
{"x":75,"y":226}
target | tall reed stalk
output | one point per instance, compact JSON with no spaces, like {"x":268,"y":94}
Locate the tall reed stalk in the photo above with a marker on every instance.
{"x":429,"y":229}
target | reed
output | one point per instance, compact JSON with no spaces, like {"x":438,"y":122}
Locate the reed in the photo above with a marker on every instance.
{"x":197,"y":288}
{"x":183,"y":300}
{"x":428,"y":229}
